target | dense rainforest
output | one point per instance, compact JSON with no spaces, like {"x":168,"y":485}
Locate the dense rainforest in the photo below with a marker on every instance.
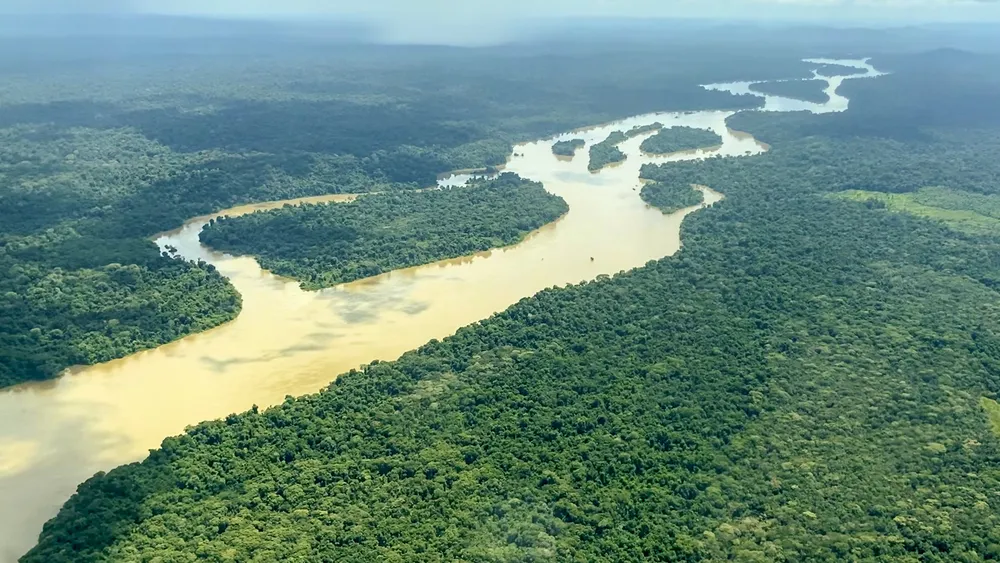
{"x":325,"y":245}
{"x":670,"y":198}
{"x":808,"y":90}
{"x":607,"y":152}
{"x":567,"y":148}
{"x":105,"y":146}
{"x":809,"y":379}
{"x":680,"y":138}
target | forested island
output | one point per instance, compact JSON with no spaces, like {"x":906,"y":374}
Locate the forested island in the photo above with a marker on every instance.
{"x":567,"y":148}
{"x":808,"y":90}
{"x":330,"y":244}
{"x":670,"y":198}
{"x":809,"y":379}
{"x":641,"y":129}
{"x":606,"y":152}
{"x":680,"y":138}
{"x":827,"y":69}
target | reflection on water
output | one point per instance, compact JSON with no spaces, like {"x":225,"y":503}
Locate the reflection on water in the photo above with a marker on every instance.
{"x":287,"y":341}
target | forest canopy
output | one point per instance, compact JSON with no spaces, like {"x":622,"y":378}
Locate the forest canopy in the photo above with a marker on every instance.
{"x":809,"y":379}
{"x":103,"y":147}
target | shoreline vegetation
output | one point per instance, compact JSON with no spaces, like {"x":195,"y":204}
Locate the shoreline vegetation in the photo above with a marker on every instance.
{"x":330,"y":244}
{"x":680,"y":139}
{"x":671,"y":198}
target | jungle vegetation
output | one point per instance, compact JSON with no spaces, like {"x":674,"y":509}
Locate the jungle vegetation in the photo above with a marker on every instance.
{"x":102,"y":147}
{"x":963,"y":211}
{"x":809,"y":379}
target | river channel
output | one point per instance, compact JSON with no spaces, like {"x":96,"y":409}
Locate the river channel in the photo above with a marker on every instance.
{"x":287,"y":341}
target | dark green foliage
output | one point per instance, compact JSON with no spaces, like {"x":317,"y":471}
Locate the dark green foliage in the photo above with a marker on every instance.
{"x":808,"y":90}
{"x":325,"y":245}
{"x":94,"y":312}
{"x":671,"y":197}
{"x":919,"y":93}
{"x":680,"y":138}
{"x":802,"y":382}
{"x":567,"y":148}
{"x":606,"y":152}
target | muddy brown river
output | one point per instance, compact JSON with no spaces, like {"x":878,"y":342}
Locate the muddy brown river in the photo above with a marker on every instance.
{"x":286,"y":341}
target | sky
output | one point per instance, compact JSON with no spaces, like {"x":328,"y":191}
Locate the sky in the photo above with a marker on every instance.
{"x":425,"y":20}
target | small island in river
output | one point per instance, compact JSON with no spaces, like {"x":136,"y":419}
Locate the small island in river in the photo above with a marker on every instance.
{"x":330,"y":244}
{"x":827,"y":69}
{"x":677,"y":139}
{"x":641,"y":129}
{"x":808,"y":90}
{"x":607,"y":152}
{"x":567,"y":148}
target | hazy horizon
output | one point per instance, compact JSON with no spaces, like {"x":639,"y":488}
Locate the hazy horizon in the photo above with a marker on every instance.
{"x":479,"y":21}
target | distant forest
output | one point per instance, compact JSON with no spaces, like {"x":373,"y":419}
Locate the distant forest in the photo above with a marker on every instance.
{"x":103,"y":147}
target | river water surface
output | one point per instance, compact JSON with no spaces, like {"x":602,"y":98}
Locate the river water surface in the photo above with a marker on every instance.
{"x":286,"y":341}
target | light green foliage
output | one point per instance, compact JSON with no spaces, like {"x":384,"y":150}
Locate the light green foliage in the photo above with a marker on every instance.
{"x":325,"y":245}
{"x":967,"y":212}
{"x":607,"y":152}
{"x":680,"y":138}
{"x":992,"y":409}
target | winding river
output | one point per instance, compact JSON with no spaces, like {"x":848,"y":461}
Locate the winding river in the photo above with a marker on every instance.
{"x":286,"y":341}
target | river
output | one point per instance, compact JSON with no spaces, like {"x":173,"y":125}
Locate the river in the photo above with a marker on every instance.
{"x":286,"y":341}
